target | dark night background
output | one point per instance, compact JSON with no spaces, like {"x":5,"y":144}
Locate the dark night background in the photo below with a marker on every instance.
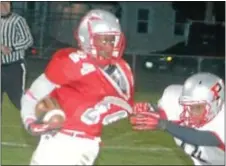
{"x":213,"y":35}
{"x":204,"y":39}
{"x":188,"y":9}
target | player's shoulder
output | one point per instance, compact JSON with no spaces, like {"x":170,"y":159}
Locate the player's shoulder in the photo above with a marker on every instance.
{"x":217,"y":120}
{"x":172,"y":92}
{"x":65,"y":53}
{"x":68,"y":64}
{"x":60,"y":58}
{"x":68,"y":55}
{"x":216,"y":125}
{"x":169,"y":101}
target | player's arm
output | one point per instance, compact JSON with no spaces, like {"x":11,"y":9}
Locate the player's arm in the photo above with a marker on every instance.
{"x":187,"y":134}
{"x":53,"y":77}
{"x":40,"y":88}
{"x":64,"y":67}
{"x":60,"y":71}
{"x":149,"y":118}
{"x":190,"y":135}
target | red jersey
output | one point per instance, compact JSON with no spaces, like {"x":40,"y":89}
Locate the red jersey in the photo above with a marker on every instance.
{"x":90,"y":96}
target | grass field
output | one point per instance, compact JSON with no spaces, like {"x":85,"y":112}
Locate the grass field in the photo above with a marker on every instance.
{"x":121,"y":144}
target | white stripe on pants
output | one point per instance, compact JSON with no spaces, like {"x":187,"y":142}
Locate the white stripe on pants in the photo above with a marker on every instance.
{"x":24,"y":74}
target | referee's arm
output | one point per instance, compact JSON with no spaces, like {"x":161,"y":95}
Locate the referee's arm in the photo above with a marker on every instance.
{"x":26,"y":39}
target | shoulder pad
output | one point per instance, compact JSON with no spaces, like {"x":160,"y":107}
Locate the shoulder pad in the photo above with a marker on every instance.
{"x":77,"y":56}
{"x":169,"y":102}
{"x":64,"y":66}
{"x":63,"y":53}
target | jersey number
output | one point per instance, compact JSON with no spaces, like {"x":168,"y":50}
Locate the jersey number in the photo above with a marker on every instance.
{"x":92,"y":115}
{"x":108,"y":119}
{"x":196,"y":153}
{"x":76,"y":57}
{"x":87,"y":68}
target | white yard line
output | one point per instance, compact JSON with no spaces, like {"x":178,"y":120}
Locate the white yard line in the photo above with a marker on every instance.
{"x":114,"y":138}
{"x":16,"y":145}
{"x":12,"y":126}
{"x":120,"y":136}
{"x":107,"y":147}
{"x":133,"y":148}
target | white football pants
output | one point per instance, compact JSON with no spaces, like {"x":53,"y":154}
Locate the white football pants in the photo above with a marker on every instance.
{"x":62,"y":149}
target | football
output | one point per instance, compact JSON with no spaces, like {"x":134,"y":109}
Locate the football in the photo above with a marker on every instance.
{"x":49,"y":111}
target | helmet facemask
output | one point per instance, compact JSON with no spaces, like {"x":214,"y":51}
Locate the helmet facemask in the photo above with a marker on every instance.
{"x":195,"y":114}
{"x":107,"y":47}
{"x":101,"y":38}
{"x":202,"y":98}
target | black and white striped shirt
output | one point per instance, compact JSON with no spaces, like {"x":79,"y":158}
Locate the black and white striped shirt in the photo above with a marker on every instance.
{"x":16,"y":35}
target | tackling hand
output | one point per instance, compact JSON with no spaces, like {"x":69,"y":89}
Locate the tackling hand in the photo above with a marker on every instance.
{"x":144,"y":117}
{"x":142,"y":107}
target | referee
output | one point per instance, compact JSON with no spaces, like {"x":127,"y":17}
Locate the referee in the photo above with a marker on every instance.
{"x":15,"y":39}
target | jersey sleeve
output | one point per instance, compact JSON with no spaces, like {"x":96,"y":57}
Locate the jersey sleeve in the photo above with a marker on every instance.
{"x":65,"y":66}
{"x":40,"y":88}
{"x":169,"y":102}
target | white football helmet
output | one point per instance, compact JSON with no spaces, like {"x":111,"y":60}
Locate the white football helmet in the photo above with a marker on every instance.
{"x":202,"y":98}
{"x":100,"y":22}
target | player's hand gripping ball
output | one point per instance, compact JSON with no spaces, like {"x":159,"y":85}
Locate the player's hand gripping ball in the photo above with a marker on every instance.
{"x":49,"y":111}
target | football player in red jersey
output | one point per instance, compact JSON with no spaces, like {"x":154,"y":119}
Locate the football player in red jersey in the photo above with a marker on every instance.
{"x":92,"y":84}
